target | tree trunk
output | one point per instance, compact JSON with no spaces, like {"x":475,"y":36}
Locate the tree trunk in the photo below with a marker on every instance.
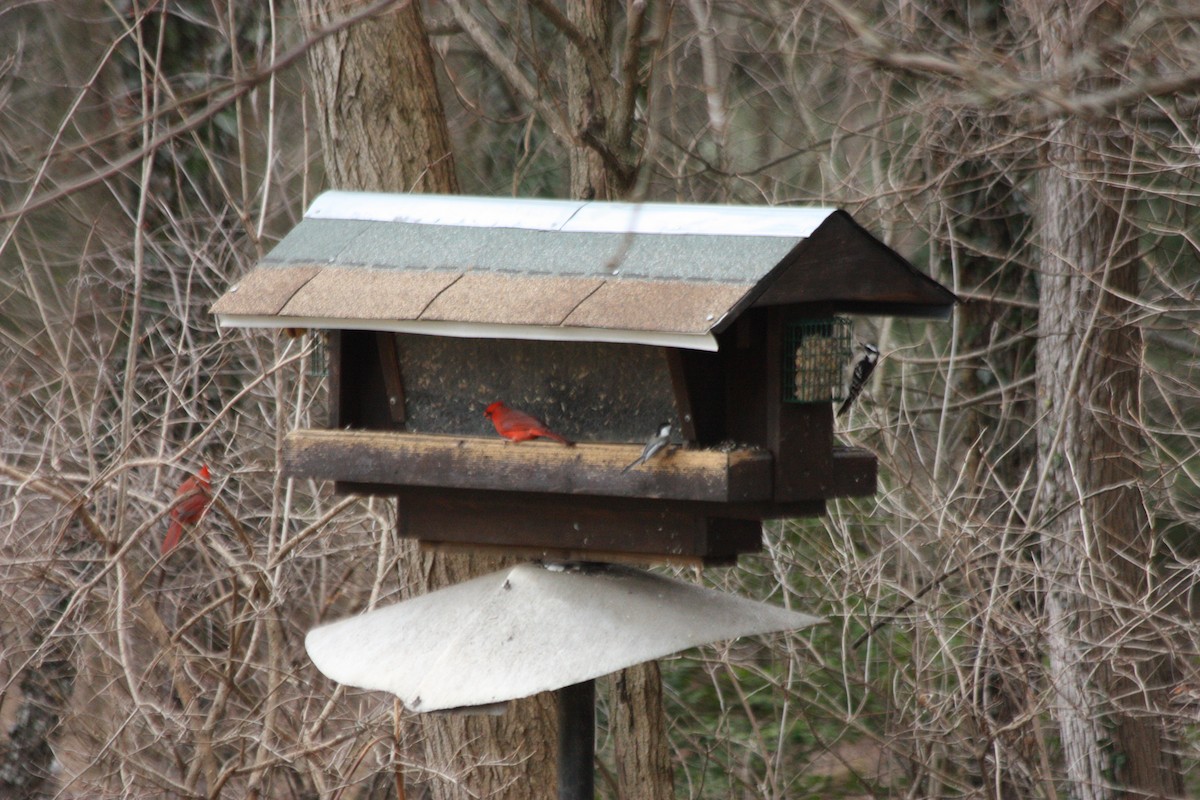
{"x":381,"y":118}
{"x":1105,"y":667}
{"x":27,"y":760}
{"x":383,"y":129}
{"x":603,"y":156}
{"x":506,"y":757}
{"x":587,"y":106}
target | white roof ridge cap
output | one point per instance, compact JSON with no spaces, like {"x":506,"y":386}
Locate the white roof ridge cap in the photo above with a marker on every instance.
{"x":571,"y":216}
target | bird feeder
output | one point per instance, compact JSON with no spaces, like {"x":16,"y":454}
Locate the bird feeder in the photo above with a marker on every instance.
{"x":603,"y":320}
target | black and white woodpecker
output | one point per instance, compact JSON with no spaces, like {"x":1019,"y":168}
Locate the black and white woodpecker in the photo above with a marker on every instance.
{"x":862,"y":371}
{"x":656,"y":443}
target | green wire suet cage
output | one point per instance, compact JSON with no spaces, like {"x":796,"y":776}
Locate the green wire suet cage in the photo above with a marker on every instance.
{"x":815,"y":354}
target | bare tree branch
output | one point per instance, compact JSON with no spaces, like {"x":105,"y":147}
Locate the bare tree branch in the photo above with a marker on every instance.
{"x":510,"y":71}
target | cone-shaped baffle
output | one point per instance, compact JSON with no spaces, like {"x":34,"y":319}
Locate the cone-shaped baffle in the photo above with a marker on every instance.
{"x":530,"y":629}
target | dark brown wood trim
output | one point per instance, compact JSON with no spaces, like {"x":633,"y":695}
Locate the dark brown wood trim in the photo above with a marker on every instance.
{"x":582,"y":525}
{"x":393,"y":383}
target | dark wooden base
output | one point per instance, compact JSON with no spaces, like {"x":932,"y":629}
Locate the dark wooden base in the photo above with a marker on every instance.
{"x":557,"y":526}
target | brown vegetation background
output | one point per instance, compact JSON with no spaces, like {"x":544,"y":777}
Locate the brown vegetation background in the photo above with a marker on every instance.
{"x":1027,"y":571}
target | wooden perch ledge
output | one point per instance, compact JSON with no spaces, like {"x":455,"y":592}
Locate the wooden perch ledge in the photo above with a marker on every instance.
{"x":477,"y":463}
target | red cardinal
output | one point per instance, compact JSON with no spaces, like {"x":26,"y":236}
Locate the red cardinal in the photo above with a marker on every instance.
{"x":198,"y":493}
{"x":519,"y":426}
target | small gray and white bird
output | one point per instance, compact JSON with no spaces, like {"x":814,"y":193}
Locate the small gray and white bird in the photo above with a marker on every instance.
{"x":862,"y":371}
{"x":656,"y":443}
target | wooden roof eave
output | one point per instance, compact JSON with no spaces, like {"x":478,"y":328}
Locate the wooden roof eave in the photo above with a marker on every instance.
{"x":843,"y":266}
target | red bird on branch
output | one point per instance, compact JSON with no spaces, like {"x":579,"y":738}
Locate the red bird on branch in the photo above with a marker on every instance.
{"x":197,"y":494}
{"x":519,"y":426}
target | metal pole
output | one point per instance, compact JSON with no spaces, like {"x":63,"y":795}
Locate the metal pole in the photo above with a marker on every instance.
{"x":576,"y":741}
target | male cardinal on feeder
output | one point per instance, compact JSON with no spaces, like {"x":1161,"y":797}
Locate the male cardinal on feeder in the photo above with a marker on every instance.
{"x":519,"y":426}
{"x":197,"y":491}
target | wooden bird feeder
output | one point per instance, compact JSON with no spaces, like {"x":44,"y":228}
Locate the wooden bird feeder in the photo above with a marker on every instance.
{"x":603,"y":320}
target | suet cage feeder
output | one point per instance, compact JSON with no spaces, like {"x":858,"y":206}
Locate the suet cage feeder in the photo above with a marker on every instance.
{"x":815,"y":355}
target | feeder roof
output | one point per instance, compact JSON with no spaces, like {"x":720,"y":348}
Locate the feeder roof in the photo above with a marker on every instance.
{"x":648,"y":273}
{"x":531,"y":629}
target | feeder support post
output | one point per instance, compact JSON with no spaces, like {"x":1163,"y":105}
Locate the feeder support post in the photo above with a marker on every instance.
{"x":576,"y":741}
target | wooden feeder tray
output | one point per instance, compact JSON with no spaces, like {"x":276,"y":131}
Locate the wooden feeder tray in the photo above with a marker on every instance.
{"x":543,"y":500}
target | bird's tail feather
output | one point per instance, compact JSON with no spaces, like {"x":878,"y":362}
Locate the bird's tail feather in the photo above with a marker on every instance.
{"x":849,"y":401}
{"x":556,"y":437}
{"x":174,"y":532}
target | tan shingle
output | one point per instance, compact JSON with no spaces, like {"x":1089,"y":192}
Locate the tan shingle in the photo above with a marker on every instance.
{"x":348,"y":293}
{"x":264,"y":291}
{"x":495,"y":298}
{"x":672,"y":306}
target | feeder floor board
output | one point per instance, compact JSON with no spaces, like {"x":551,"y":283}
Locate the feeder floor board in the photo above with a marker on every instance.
{"x":396,"y":459}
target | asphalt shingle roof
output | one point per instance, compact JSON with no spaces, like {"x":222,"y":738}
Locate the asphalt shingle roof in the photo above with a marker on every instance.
{"x":558,"y":269}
